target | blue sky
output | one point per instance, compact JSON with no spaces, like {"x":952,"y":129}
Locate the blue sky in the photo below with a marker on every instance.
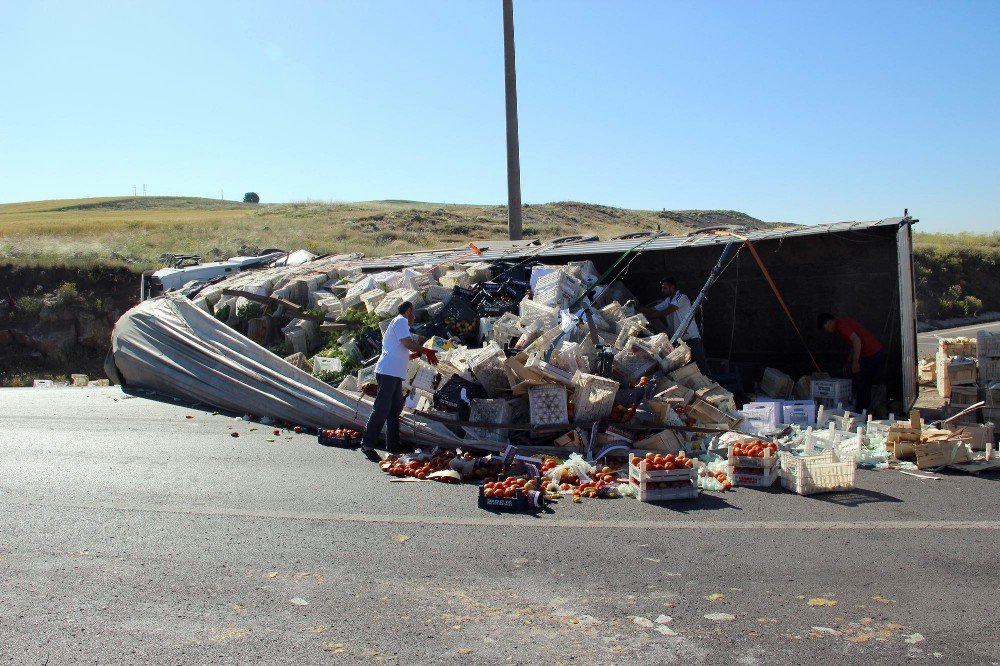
{"x":789,"y":111}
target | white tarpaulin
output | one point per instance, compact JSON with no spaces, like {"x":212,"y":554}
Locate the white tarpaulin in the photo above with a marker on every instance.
{"x":170,"y":346}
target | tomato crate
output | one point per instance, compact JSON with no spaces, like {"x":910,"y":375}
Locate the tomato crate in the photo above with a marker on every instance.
{"x":768,"y":462}
{"x":521,"y":502}
{"x":821,"y":473}
{"x":327,"y":437}
{"x":658,"y":486}
{"x":458,"y":310}
{"x":755,"y":477}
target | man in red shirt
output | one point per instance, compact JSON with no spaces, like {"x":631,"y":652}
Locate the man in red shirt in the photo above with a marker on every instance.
{"x":865,"y":358}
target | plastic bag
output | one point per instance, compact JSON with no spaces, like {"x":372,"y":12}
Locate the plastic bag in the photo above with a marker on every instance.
{"x":575,"y":466}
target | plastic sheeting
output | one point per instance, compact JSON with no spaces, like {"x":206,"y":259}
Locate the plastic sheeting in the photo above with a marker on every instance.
{"x":171,"y":346}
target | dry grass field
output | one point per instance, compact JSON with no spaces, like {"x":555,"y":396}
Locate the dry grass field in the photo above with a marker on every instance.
{"x":137,"y":230}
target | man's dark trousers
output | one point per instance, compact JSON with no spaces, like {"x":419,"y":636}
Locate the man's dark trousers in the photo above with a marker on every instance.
{"x":388,"y":406}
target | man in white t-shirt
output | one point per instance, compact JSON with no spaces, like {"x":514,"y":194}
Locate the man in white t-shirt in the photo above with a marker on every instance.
{"x":390,"y":371}
{"x":672,"y":310}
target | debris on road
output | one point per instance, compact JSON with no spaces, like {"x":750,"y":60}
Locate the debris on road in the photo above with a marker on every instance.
{"x":551,"y":381}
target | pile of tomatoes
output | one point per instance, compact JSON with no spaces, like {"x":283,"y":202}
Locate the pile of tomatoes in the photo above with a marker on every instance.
{"x":623,"y":413}
{"x":682,"y":411}
{"x":755,"y":449}
{"x":722,"y":478}
{"x":642,"y":382}
{"x":508,"y":487}
{"x":657,"y":462}
{"x":419,"y":467}
{"x":346,"y":434}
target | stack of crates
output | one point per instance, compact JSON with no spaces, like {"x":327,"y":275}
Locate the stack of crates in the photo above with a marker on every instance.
{"x":662,"y":485}
{"x":752,"y":471}
{"x":989,"y":373}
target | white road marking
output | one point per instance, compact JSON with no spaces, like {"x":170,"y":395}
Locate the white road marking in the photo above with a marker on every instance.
{"x":540,"y":522}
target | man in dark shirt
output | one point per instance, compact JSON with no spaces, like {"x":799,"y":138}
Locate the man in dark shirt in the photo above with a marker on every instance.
{"x":865,"y":357}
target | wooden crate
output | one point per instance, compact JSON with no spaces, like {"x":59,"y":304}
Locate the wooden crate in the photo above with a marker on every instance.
{"x":941,"y":453}
{"x":660,"y":486}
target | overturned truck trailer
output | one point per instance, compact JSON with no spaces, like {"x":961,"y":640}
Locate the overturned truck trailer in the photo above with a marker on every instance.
{"x":174,"y":345}
{"x":861,"y":270}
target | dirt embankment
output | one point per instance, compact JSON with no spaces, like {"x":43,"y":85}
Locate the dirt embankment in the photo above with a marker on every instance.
{"x":58,"y":321}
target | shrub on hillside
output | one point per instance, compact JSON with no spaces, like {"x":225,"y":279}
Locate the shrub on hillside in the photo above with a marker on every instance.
{"x":251,"y":197}
{"x":28,"y":305}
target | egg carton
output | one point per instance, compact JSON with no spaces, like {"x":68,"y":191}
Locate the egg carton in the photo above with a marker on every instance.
{"x":548,"y":405}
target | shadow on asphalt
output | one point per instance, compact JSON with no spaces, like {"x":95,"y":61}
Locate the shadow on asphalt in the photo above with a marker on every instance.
{"x":703,"y":503}
{"x":856,"y":497}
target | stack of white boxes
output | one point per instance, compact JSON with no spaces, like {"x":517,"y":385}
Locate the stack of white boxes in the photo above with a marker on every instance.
{"x":989,"y":373}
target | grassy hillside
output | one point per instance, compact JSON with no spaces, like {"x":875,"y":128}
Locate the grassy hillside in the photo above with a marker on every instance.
{"x":957,"y":274}
{"x":137,"y":230}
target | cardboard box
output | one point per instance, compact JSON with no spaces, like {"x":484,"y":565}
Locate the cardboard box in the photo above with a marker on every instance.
{"x":668,"y":441}
{"x":574,"y":438}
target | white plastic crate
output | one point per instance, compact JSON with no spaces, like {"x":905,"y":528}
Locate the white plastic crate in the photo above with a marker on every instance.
{"x":406,"y":294}
{"x":819,"y":473}
{"x":327,"y":364}
{"x":421,"y":375}
{"x":760,"y":417}
{"x":388,"y":307}
{"x":594,"y":397}
{"x":453,"y":279}
{"x":438,"y":294}
{"x":798,"y":412}
{"x":662,"y":485}
{"x":500,"y":411}
{"x":548,"y":405}
{"x":836,"y":390}
{"x":761,"y":477}
{"x":366,"y":376}
{"x":487,"y":365}
{"x":354,"y":292}
{"x":372,"y":298}
{"x":630,"y":366}
{"x":479,"y":272}
{"x":776,"y":384}
{"x":532,"y":312}
{"x":506,"y":329}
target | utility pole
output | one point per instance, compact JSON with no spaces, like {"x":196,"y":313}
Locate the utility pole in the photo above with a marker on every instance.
{"x":513,"y":152}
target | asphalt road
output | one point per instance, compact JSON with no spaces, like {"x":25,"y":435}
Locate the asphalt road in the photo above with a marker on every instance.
{"x":927,"y":343}
{"x":132,"y":534}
